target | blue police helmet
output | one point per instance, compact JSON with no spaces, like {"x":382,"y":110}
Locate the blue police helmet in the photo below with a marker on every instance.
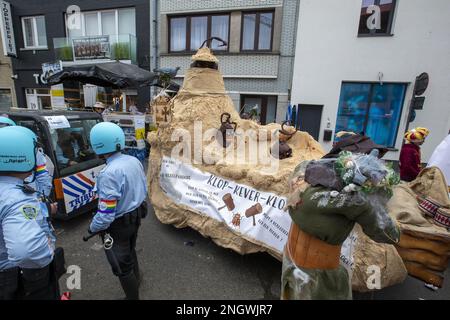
{"x":6,"y":122}
{"x":107,"y":137}
{"x":17,"y":151}
{"x":27,"y":131}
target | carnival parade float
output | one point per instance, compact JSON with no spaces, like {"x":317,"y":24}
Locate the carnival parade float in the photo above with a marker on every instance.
{"x":231,"y":179}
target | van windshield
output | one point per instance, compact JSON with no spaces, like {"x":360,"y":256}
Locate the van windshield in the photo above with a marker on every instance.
{"x":72,"y":146}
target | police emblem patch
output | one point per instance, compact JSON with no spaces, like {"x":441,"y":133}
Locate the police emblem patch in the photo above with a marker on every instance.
{"x":103,"y":206}
{"x":29,"y":212}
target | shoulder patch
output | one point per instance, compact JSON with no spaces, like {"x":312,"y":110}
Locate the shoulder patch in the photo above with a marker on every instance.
{"x":30,"y":212}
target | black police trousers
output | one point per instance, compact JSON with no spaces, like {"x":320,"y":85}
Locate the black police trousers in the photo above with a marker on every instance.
{"x":122,"y":256}
{"x":29,"y":284}
{"x":9,"y":284}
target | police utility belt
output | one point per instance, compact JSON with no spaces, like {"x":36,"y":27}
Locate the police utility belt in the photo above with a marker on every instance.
{"x":27,"y":280}
{"x":132,"y":217}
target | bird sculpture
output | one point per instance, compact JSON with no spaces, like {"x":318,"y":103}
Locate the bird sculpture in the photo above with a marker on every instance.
{"x":166,"y":74}
{"x":171,"y":72}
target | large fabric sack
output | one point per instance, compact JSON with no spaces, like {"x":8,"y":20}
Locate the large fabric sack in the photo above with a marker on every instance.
{"x":368,"y":257}
{"x":424,"y":245}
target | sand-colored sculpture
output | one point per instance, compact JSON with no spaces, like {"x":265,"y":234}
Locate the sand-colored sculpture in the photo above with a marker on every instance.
{"x":161,"y":109}
{"x":203,"y":98}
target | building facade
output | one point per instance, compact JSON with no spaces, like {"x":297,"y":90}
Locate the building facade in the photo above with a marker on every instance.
{"x":257,"y":60}
{"x":77,"y":32}
{"x":7,"y":92}
{"x":356,"y":66}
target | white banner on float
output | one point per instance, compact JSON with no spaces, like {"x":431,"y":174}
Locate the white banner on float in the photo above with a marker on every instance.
{"x":257,"y":215}
{"x":261,"y":215}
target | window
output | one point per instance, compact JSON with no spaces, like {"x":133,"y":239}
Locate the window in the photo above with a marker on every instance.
{"x":38,"y":99}
{"x":188,"y":33}
{"x":34,"y":33}
{"x":72,"y":146}
{"x":127,"y":21}
{"x":106,"y":23}
{"x":257,"y":31}
{"x":5,"y":99}
{"x":376,"y":17}
{"x":262,"y":109}
{"x":372,"y":109}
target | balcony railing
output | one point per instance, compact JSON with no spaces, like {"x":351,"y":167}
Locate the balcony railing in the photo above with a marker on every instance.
{"x":110,"y":47}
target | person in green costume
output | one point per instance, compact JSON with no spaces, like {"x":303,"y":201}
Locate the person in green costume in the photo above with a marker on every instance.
{"x":323,"y":218}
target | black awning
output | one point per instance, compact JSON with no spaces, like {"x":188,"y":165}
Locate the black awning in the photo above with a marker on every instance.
{"x":110,"y":74}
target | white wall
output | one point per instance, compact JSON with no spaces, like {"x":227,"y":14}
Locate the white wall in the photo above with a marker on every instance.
{"x":329,"y":51}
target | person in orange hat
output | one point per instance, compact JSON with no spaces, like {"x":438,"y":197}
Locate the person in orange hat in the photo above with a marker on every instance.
{"x":410,"y":157}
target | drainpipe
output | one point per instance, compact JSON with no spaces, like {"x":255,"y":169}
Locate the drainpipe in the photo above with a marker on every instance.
{"x":291,"y":76}
{"x":155,"y":20}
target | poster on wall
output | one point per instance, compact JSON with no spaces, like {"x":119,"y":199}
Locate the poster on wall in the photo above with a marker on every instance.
{"x":50,"y":68}
{"x":258,"y":216}
{"x":91,"y":48}
{"x":57,"y":96}
{"x":32,"y":102}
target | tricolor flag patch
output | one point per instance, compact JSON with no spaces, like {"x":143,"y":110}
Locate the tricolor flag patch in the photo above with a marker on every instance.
{"x":41,"y":169}
{"x":107,"y":206}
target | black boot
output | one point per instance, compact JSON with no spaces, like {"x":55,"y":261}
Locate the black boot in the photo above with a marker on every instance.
{"x":130,"y":286}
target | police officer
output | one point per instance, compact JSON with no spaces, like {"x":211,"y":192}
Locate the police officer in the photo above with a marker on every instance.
{"x":26,"y":255}
{"x":122,"y":191}
{"x":40,"y":181}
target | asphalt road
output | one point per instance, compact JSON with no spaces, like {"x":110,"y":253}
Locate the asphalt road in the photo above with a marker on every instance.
{"x":176,"y":264}
{"x":182,"y":264}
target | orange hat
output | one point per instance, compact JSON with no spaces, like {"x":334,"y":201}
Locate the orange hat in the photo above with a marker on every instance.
{"x":417,"y":135}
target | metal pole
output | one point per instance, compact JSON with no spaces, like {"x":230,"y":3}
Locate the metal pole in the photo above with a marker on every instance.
{"x":155,"y":47}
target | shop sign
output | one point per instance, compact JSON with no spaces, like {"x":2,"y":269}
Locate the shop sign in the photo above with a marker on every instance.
{"x":7,"y":31}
